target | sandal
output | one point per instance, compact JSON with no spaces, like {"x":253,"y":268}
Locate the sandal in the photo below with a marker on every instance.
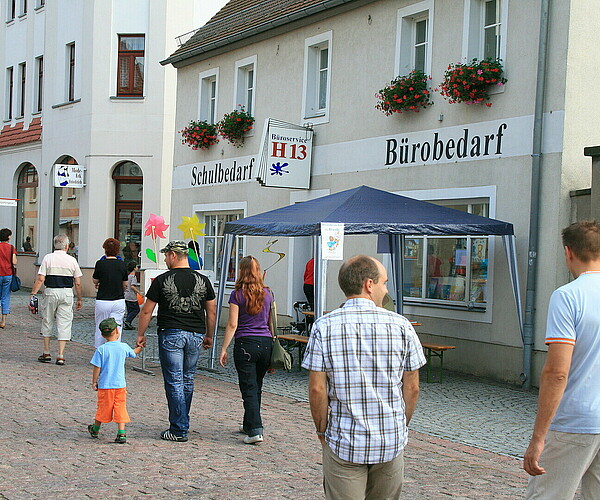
{"x":45,"y":358}
{"x":60,"y":361}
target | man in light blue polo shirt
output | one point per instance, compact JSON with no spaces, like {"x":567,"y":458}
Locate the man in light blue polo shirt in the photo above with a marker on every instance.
{"x":565,"y":446}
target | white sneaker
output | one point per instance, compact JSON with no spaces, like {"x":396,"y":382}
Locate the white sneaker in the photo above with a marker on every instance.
{"x":253,"y":439}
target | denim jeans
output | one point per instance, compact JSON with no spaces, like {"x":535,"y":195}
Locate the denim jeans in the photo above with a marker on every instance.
{"x":5,"y":293}
{"x":252,"y":356}
{"x":133,"y":308}
{"x":179,"y":351}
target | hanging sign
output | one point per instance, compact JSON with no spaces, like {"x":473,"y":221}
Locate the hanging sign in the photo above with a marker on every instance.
{"x":8,"y":202}
{"x":285,"y":155}
{"x":332,"y":237}
{"x":70,"y":176}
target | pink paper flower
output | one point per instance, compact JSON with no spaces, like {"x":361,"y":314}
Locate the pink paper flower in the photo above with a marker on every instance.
{"x":156,"y":226}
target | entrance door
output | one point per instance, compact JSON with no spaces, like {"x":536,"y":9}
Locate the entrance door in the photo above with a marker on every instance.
{"x":129,"y":230}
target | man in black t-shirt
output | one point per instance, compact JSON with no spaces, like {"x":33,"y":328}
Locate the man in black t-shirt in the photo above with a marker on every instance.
{"x":186,"y":320}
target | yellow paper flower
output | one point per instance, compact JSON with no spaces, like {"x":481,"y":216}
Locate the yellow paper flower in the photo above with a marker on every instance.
{"x":191,"y":227}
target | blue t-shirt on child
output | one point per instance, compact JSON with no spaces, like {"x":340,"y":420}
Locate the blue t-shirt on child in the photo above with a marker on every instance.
{"x":110,"y":358}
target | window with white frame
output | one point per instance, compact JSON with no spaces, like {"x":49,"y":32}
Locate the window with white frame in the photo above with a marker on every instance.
{"x":413,"y":45}
{"x":70,"y":66}
{"x":39,"y":84}
{"x":23,"y":7}
{"x":208,"y":95}
{"x":8,"y":106}
{"x":211,"y":244}
{"x":317,"y":77}
{"x":485,"y":29}
{"x":245,"y":78}
{"x":451,"y":272}
{"x":11,"y":10}
{"x":22,"y":87}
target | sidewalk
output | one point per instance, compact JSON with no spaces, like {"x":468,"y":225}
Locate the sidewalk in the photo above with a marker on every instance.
{"x":46,"y":452}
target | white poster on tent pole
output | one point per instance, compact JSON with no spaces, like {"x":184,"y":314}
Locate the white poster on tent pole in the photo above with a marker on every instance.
{"x":332,"y":240}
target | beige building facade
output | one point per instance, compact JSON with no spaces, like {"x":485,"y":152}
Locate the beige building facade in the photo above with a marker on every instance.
{"x":321,"y":66}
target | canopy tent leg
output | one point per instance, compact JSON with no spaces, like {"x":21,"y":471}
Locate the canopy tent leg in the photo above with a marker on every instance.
{"x":320,"y":273}
{"x":227,"y":246}
{"x":397,"y":251}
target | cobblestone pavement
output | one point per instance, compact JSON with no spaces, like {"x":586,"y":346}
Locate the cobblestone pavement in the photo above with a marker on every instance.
{"x":465,"y":434}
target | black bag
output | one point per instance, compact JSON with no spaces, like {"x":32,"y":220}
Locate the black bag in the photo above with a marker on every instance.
{"x":15,"y":284}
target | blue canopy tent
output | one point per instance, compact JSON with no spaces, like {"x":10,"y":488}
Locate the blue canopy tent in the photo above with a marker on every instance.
{"x":366,"y":210}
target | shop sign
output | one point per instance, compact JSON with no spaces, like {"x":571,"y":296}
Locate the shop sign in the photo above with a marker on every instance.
{"x":220,"y":173}
{"x":8,"y":202}
{"x":332,"y":240}
{"x":286,"y":156}
{"x":70,"y":176}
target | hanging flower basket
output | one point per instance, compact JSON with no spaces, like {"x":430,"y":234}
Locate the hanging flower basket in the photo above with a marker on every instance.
{"x":471,"y":83}
{"x":234,"y":126}
{"x":404,"y":93}
{"x":199,"y":135}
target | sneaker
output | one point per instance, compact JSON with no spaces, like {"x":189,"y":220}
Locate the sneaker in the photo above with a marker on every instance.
{"x":169,"y":436}
{"x":121,"y":438}
{"x":45,"y":358}
{"x":92,"y":432}
{"x":127,"y":326}
{"x":242,"y":430}
{"x":253,"y":439}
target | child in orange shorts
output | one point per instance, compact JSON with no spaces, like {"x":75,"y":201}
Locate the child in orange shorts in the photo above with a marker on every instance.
{"x":108,"y":378}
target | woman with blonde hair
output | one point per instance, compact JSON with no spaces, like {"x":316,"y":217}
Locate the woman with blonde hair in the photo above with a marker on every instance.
{"x":249,"y":310}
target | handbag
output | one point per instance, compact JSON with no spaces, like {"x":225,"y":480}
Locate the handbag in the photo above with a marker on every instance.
{"x":140,"y":299}
{"x":15,"y":283}
{"x":280,"y":358}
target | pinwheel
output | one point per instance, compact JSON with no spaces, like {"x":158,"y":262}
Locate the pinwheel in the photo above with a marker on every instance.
{"x":155,"y":227}
{"x":192,"y":227}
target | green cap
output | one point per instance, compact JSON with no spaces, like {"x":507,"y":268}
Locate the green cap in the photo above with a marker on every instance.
{"x":177,"y":246}
{"x":107,"y":325}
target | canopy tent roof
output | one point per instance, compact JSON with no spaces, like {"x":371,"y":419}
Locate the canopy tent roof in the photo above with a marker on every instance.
{"x":365,"y":210}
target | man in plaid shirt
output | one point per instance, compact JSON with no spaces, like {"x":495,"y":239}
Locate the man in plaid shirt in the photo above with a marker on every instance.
{"x":363,"y":386}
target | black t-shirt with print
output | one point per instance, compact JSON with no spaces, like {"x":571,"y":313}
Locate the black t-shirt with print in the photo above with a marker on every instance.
{"x":181,"y":294}
{"x":111,"y":273}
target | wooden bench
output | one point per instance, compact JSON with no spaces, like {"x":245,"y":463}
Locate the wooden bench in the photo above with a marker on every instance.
{"x":302,"y":340}
{"x":437,"y":351}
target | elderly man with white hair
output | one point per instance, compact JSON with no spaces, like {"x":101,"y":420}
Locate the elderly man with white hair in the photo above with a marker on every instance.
{"x":59,"y":272}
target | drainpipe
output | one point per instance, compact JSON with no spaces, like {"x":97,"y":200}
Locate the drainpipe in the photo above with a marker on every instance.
{"x":536,"y":165}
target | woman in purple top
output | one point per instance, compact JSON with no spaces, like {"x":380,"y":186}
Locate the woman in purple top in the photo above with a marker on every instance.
{"x":249,"y":310}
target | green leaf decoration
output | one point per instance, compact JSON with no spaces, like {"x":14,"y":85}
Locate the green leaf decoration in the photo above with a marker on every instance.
{"x":151,"y":255}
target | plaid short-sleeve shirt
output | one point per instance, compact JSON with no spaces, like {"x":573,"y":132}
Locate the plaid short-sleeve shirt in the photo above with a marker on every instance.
{"x":364,"y":350}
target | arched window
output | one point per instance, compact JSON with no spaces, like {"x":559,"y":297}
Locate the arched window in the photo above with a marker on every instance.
{"x":27,"y":209}
{"x":129,"y":191}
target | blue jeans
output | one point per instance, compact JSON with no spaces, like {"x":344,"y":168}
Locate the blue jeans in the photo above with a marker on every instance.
{"x":5,"y":293}
{"x":179,"y":351}
{"x":133,"y":308}
{"x":252,"y":356}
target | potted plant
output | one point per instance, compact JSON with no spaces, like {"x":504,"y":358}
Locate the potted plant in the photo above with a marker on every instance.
{"x":471,"y":82}
{"x":234,"y":126}
{"x":199,"y":135}
{"x":404,"y":93}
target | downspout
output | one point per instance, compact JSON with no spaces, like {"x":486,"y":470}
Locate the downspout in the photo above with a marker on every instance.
{"x":536,"y":166}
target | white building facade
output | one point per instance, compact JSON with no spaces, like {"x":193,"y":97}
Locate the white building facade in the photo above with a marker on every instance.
{"x":83,"y":87}
{"x":321,"y":64}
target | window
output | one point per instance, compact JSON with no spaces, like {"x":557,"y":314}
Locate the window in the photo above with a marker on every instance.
{"x":39,"y":84}
{"x":9,"y":93}
{"x":317,"y":76}
{"x":448,"y":270}
{"x":40,"y":4}
{"x":131,"y":65}
{"x":208,"y":95}
{"x":485,"y":29}
{"x":27,"y":208}
{"x":211,"y":246}
{"x":22,"y":87}
{"x":23,"y":7}
{"x":71,"y":72}
{"x":245,"y":75}
{"x":11,"y":10}
{"x":413,"y":47}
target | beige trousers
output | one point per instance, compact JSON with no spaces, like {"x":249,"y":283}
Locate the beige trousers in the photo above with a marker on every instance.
{"x":568,"y":459}
{"x":57,"y":306}
{"x":344,"y":480}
